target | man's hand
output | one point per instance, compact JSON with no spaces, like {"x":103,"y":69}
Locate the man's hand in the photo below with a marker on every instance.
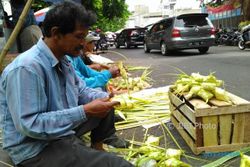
{"x":99,"y":107}
{"x":96,"y":67}
{"x":114,"y":70}
{"x":114,"y":91}
{"x":99,"y":67}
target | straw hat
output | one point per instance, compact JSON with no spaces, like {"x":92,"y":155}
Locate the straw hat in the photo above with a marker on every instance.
{"x":90,"y":38}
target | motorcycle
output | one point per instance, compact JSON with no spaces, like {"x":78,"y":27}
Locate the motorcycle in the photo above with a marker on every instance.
{"x":103,"y":44}
{"x":110,"y":37}
{"x":244,"y":40}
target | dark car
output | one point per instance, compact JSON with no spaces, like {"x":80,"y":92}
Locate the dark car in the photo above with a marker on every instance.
{"x":130,"y":37}
{"x":187,"y":31}
{"x":148,"y":27}
{"x":1,"y":28}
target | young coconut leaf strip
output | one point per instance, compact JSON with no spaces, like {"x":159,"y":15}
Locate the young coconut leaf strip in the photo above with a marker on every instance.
{"x":141,"y":108}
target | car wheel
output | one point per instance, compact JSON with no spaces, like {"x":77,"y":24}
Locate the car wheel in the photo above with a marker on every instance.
{"x":116,"y":45}
{"x":146,"y":49}
{"x":164,"y":50}
{"x":127,"y":45}
{"x":203,"y":50}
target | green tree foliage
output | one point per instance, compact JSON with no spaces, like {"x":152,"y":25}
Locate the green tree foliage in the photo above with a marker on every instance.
{"x":40,"y":4}
{"x":112,"y":14}
{"x":215,"y":3}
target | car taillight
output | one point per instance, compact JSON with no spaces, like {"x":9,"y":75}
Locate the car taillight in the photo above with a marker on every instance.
{"x":213,"y":31}
{"x":130,"y":33}
{"x":176,"y":33}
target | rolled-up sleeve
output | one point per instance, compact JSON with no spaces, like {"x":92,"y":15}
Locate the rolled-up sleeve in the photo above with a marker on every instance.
{"x":87,"y":94}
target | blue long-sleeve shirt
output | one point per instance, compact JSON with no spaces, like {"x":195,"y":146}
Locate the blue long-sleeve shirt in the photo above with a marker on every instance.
{"x":38,"y":103}
{"x":93,"y":78}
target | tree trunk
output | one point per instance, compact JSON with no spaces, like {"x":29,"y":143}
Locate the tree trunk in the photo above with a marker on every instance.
{"x":246,"y":9}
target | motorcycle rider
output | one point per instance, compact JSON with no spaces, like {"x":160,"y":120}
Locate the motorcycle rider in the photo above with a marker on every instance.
{"x":246,"y":33}
{"x":245,"y":38}
{"x":102,"y":42}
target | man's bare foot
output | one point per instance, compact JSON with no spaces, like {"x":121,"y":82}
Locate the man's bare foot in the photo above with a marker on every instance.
{"x":98,"y":146}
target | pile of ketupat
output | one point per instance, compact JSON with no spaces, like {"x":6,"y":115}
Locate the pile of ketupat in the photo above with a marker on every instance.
{"x":149,"y":154}
{"x":245,"y":161}
{"x":134,"y":84}
{"x":129,"y":83}
{"x":197,"y":85}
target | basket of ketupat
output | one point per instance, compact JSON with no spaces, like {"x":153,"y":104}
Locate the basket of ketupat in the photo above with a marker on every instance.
{"x":208,"y":117}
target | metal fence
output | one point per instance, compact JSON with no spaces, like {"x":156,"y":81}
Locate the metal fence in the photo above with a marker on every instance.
{"x":228,"y":23}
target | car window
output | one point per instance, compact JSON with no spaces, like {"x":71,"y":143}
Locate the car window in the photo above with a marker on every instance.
{"x":155,"y":28}
{"x":167,"y":23}
{"x":161,"y":26}
{"x":134,"y":32}
{"x":192,"y":21}
{"x":122,"y":33}
{"x":148,"y":27}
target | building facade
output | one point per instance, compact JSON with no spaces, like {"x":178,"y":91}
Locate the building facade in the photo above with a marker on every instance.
{"x":141,"y":16}
{"x":228,"y":15}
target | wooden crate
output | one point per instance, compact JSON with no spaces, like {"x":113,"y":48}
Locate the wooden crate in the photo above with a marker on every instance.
{"x":216,"y":126}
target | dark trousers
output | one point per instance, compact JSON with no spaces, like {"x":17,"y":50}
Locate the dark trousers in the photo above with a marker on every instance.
{"x":70,"y":151}
{"x":100,"y":128}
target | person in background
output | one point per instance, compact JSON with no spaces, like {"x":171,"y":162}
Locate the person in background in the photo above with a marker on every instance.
{"x":30,"y":31}
{"x":94,"y":61}
{"x":45,"y":107}
{"x":98,"y":80}
{"x":94,"y":79}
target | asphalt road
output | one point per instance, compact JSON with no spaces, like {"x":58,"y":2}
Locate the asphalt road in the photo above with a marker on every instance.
{"x":230,"y":64}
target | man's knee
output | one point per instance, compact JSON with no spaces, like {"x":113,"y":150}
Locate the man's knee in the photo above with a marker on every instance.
{"x":4,"y":158}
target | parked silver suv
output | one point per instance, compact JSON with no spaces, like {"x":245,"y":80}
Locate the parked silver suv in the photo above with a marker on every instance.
{"x":187,"y":31}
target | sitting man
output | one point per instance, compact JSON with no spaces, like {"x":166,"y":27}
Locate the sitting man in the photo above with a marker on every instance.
{"x":94,"y":61}
{"x":44,"y":106}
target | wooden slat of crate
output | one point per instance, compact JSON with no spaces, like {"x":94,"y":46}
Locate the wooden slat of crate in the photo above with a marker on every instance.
{"x":222,"y":110}
{"x":210,"y":129}
{"x":222,"y":148}
{"x":199,"y":132}
{"x":225,"y":122}
{"x":203,"y":109}
{"x":219,"y":103}
{"x":199,"y":104}
{"x":190,"y":142}
{"x":247,"y":128}
{"x":238,"y":131}
{"x":230,"y":136}
{"x":187,"y":110}
{"x":183,"y":121}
